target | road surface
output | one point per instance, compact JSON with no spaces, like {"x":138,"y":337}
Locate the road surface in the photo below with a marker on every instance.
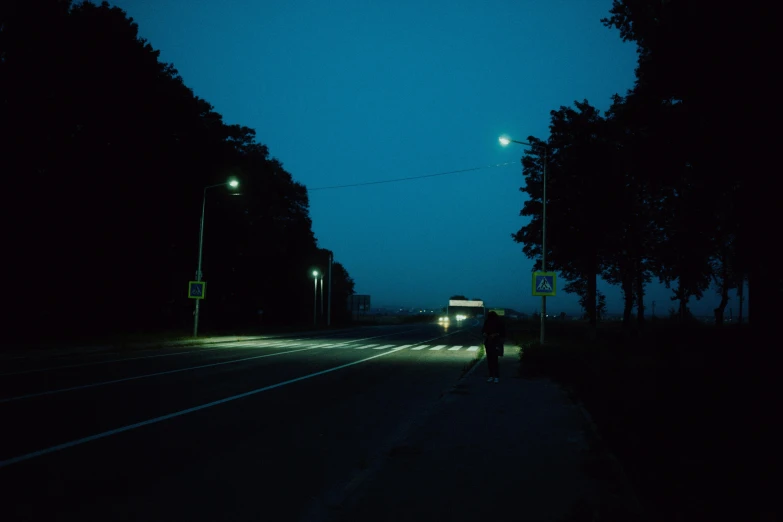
{"x":250,"y":430}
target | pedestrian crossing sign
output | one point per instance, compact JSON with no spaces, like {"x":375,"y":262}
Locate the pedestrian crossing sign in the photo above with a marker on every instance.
{"x":197,"y":289}
{"x":544,"y":283}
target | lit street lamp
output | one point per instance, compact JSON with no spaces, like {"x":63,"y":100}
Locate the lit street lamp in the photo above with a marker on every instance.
{"x":315,"y":296}
{"x":233,"y":183}
{"x":505,"y":141}
{"x":329,"y":301}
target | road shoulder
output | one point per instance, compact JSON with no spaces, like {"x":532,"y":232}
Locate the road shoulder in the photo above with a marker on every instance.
{"x":519,"y":448}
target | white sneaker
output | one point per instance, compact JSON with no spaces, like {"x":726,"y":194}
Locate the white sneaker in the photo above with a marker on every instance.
{"x":496,"y":380}
{"x":489,"y":380}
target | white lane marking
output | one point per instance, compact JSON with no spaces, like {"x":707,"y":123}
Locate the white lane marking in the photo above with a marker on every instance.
{"x":472,"y":348}
{"x":454,"y":348}
{"x":402,"y":347}
{"x":168,"y":372}
{"x":216,"y":346}
{"x":385,"y":346}
{"x":263,"y":344}
{"x":77,"y":442}
{"x":439,"y":347}
{"x":423,"y":346}
{"x":111,"y":350}
{"x":365,"y":346}
{"x":108,"y":362}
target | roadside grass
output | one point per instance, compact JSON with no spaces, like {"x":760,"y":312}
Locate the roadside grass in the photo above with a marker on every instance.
{"x":473,"y":362}
{"x":660,"y":400}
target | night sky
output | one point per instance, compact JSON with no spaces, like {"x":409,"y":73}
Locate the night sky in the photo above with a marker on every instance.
{"x":346,"y":92}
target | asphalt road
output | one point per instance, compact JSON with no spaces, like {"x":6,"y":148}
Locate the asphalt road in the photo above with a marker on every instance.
{"x":261,"y":429}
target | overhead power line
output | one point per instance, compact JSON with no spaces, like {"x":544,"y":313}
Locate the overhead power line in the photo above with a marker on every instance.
{"x":414,"y":177}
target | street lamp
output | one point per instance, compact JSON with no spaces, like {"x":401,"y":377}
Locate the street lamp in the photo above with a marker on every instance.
{"x":329,"y":301}
{"x":505,"y":141}
{"x":315,"y":297}
{"x":233,"y":183}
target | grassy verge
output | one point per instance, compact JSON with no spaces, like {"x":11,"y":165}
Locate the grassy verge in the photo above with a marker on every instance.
{"x":473,"y":362}
{"x":668,"y":403}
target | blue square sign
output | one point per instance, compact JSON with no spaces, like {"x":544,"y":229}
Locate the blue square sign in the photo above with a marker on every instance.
{"x":544,"y":283}
{"x":197,"y":289}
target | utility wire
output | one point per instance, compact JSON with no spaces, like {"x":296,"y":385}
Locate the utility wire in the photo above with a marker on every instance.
{"x":414,"y":177}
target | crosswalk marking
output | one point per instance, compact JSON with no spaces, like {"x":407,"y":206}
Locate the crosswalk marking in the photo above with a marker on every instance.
{"x":348,"y":344}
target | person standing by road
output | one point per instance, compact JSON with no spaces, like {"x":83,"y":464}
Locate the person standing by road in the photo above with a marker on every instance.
{"x":494,"y":331}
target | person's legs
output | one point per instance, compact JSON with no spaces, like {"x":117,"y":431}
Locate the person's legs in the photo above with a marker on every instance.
{"x":489,"y":367}
{"x":492,"y":363}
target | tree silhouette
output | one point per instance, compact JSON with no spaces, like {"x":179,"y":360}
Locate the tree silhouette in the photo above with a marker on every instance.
{"x":581,"y":193}
{"x":713,"y":97}
{"x":115,"y":151}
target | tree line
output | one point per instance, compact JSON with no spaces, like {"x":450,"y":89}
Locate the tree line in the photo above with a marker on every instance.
{"x":106,"y":154}
{"x":665,"y":184}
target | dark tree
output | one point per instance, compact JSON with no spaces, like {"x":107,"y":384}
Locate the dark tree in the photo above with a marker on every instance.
{"x":111,"y":152}
{"x":581,"y":195}
{"x":711,"y":65}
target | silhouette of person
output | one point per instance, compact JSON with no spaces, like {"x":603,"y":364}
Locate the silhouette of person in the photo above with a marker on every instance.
{"x":494,"y":331}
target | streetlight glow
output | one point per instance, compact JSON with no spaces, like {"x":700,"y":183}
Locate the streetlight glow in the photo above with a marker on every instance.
{"x":504,"y":141}
{"x":233,"y":183}
{"x":315,"y":296}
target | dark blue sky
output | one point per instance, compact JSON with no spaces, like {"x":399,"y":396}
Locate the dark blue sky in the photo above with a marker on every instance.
{"x":352,"y":91}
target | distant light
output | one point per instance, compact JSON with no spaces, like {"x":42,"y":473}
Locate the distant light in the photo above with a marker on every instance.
{"x":504,"y":141}
{"x":233,"y":183}
{"x":315,"y":273}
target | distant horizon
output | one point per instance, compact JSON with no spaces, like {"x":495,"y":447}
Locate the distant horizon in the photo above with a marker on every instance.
{"x":554,"y":311}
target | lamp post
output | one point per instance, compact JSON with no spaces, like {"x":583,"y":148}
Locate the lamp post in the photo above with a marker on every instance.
{"x":505,"y":141}
{"x":315,"y":296}
{"x":329,"y":301}
{"x":233,"y":183}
